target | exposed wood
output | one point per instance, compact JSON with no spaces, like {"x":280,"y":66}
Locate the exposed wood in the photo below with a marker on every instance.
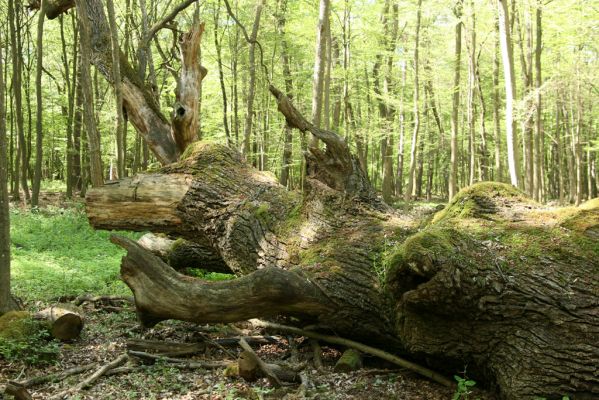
{"x":146,"y":201}
{"x":186,"y":109}
{"x":65,"y":321}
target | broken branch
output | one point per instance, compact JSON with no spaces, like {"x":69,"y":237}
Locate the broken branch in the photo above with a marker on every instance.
{"x":359,"y":346}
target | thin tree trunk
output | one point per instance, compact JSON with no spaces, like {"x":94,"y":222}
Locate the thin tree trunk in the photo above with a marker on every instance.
{"x":77,"y":125}
{"x":538,"y":150}
{"x":39,"y":150}
{"x":221,"y":76}
{"x":118,"y":91}
{"x":402,"y":133}
{"x":471,"y":95}
{"x":411,"y":173}
{"x":93,"y":136}
{"x":454,"y":157}
{"x":6,"y":303}
{"x":498,"y":172}
{"x":14,"y":11}
{"x":510,"y":88}
{"x":288,"y":136}
{"x":319,"y":67}
{"x":247,"y":132}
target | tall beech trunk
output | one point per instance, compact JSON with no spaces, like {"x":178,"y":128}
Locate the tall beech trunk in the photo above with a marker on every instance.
{"x":249,"y":116}
{"x":6,"y":301}
{"x":287,"y":159}
{"x":529,"y":310}
{"x":507,"y":55}
{"x":320,"y":61}
{"x":412,"y":170}
{"x":454,"y":157}
{"x":121,"y":144}
{"x":14,"y":18}
{"x":39,"y":150}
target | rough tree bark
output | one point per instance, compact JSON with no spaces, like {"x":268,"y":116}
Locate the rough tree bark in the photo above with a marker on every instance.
{"x":6,"y":301}
{"x":340,"y":259}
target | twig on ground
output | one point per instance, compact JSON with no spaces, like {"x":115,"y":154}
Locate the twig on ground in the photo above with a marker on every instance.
{"x":56,"y":377}
{"x":359,"y":346}
{"x":90,"y":380}
{"x":270,"y":375}
{"x":181,"y":363}
{"x":88,"y":298}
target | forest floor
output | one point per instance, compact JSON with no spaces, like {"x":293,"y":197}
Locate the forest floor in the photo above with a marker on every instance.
{"x":57,"y":256}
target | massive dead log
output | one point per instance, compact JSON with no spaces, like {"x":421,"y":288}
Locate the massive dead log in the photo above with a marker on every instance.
{"x":495,"y":281}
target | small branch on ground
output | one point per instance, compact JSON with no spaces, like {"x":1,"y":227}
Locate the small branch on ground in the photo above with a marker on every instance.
{"x":358,"y":346}
{"x":90,"y":380}
{"x":270,"y":375}
{"x":182,"y":364}
{"x":166,"y":349}
{"x":56,"y":377}
{"x":110,"y":300}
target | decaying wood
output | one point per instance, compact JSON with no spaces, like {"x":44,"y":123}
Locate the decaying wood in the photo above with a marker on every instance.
{"x":144,"y":202}
{"x":319,"y":258}
{"x":350,"y":360}
{"x":166,"y":140}
{"x":64,"y":320}
{"x":18,"y":391}
{"x":165,"y":348}
{"x":91,"y":379}
{"x":186,"y":109}
{"x":336,"y":166}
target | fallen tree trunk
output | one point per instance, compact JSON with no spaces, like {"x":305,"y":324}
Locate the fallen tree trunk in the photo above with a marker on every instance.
{"x":495,"y":282}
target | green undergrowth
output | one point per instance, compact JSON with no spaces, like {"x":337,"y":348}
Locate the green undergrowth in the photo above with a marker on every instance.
{"x":210,"y":276}
{"x":26,"y":339}
{"x":55,"y":252}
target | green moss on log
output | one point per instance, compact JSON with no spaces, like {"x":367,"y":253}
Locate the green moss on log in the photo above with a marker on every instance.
{"x":479,"y":201}
{"x":15,"y":325}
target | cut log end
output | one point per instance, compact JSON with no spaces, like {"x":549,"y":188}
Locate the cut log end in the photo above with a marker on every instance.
{"x":65,"y":321}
